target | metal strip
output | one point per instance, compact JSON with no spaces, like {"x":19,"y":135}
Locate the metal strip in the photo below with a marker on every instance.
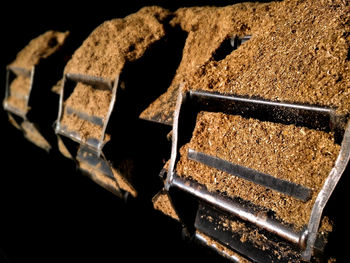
{"x":7,"y":88}
{"x":93,"y":119}
{"x":326,"y":191}
{"x":259,"y":247}
{"x":204,"y":241}
{"x":261,"y":101}
{"x":266,"y":180}
{"x":92,"y":159}
{"x":108,"y":187}
{"x":14,"y":110}
{"x":243,"y":212}
{"x":174,"y":147}
{"x":91,"y":80}
{"x":96,"y":82}
{"x":73,"y":135}
{"x":20,"y":71}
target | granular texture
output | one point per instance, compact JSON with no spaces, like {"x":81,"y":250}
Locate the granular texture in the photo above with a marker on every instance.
{"x":19,"y":93}
{"x":207,"y":28}
{"x":39,"y":48}
{"x":163,"y":106}
{"x":33,"y":135}
{"x":123,"y":183}
{"x":224,"y":249}
{"x":14,"y":122}
{"x":326,"y":225}
{"x":163,"y":203}
{"x":259,"y":239}
{"x":57,"y":87}
{"x":20,"y":85}
{"x":90,"y":100}
{"x":18,"y":103}
{"x":63,"y":149}
{"x":246,"y":233}
{"x":104,"y":54}
{"x":113,"y":43}
{"x":299,"y":53}
{"x":296,"y":154}
{"x":98,"y":176}
{"x":83,"y":128}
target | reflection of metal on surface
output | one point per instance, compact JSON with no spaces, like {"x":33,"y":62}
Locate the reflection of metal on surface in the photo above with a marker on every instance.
{"x":239,"y":210}
{"x":326,"y":191}
{"x":98,"y":169}
{"x":124,"y":183}
{"x":283,"y":186}
{"x":160,"y":115}
{"x":18,"y":116}
{"x":33,"y":135}
{"x":11,"y":74}
{"x":63,"y":149}
{"x":14,"y":122}
{"x":90,"y":155}
{"x":165,"y":113}
{"x":99,"y":83}
{"x":202,"y":239}
{"x":314,"y":117}
{"x":245,"y":238}
{"x":101,"y":180}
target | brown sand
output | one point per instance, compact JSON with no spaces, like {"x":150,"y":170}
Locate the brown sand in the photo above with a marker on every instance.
{"x":299,"y":52}
{"x":90,"y":100}
{"x":124,"y":183}
{"x":63,"y":149}
{"x":14,"y":122}
{"x":98,"y":176}
{"x":103,"y":54}
{"x":259,"y":240}
{"x":57,"y":87}
{"x":299,"y":155}
{"x":163,"y":203}
{"x":33,"y":135}
{"x":18,"y":103}
{"x":20,"y":85}
{"x":207,"y":28}
{"x":163,"y":106}
{"x":19,"y":90}
{"x":85,"y":129}
{"x":112,"y":44}
{"x":224,"y":249}
{"x":301,"y":56}
{"x":246,"y":233}
{"x":39,"y":48}
{"x":326,"y":225}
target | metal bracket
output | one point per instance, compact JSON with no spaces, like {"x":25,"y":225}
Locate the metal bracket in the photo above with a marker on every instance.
{"x":94,"y":143}
{"x":11,"y":73}
{"x":311,"y":116}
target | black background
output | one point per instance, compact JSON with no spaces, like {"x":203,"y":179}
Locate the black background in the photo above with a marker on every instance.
{"x":48,"y":211}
